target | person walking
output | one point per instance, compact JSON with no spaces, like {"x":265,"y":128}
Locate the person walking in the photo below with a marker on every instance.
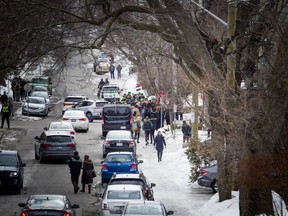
{"x":159,"y":144}
{"x":6,"y":112}
{"x":87,"y":174}
{"x":106,"y":81}
{"x":136,"y":126}
{"x":186,"y":130}
{"x":147,"y":126}
{"x":112,"y":69}
{"x":154,"y":120}
{"x":119,"y":69}
{"x":75,"y":165}
{"x":4,"y":98}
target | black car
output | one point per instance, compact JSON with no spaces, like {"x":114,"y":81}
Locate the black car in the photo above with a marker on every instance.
{"x":116,"y":117}
{"x":48,"y":204}
{"x":134,"y":179}
{"x":118,"y":140}
{"x":11,"y":171}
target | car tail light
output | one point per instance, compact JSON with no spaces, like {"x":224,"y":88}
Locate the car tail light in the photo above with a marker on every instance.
{"x":24,"y":213}
{"x":146,"y":192}
{"x":131,"y":143}
{"x":82,"y":119}
{"x":45,"y":145}
{"x":72,"y":132}
{"x":104,"y":167}
{"x":71,"y":145}
{"x":65,"y":213}
{"x":107,"y":143}
{"x":133,"y":166}
{"x":102,"y":121}
{"x":203,"y":172}
{"x":64,"y":119}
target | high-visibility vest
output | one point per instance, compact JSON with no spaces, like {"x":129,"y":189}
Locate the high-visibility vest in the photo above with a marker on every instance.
{"x":5,"y":109}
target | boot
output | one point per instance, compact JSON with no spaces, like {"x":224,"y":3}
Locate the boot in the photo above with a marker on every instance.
{"x":83,"y":188}
{"x":89,"y":188}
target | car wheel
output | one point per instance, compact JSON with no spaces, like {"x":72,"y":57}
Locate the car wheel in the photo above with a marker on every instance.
{"x":90,"y":117}
{"x":36,"y":156}
{"x":41,"y":159}
{"x":214,"y":186}
{"x":87,"y":130}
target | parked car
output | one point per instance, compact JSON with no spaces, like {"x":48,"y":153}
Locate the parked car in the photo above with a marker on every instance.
{"x":42,"y":94}
{"x":62,"y":126}
{"x":102,"y":65}
{"x":110,"y":92}
{"x":12,"y":171}
{"x":35,"y":106}
{"x":72,"y":100}
{"x":116,"y":117}
{"x":54,"y":145}
{"x":208,"y":177}
{"x":48,"y":204}
{"x":134,"y":179}
{"x":142,"y":208}
{"x":115,"y":198}
{"x":77,"y":118}
{"x":118,"y":140}
{"x":91,"y":108}
{"x":119,"y":162}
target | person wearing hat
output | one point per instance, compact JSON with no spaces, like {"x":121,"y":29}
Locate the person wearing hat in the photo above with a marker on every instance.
{"x":147,"y":126}
{"x":159,"y":144}
{"x":75,"y":165}
{"x":87,"y":174}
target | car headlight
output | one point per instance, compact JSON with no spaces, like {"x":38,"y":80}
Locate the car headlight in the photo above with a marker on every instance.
{"x":13,"y":174}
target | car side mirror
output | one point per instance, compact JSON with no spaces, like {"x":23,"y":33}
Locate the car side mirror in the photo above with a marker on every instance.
{"x":140,"y":161}
{"x":98,"y":194}
{"x":21,"y":205}
{"x":46,"y":128}
{"x":23,"y":165}
{"x":152,"y":185}
{"x":118,"y":211}
{"x":170,"y":212}
{"x":75,"y":206}
{"x":37,"y":137}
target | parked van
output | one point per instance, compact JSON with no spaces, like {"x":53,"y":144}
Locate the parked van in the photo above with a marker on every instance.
{"x":116,"y":117}
{"x":109,"y":92}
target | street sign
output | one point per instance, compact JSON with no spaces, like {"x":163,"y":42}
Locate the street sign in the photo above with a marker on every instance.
{"x":27,"y":87}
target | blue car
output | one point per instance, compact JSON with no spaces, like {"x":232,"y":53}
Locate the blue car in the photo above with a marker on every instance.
{"x":118,"y":162}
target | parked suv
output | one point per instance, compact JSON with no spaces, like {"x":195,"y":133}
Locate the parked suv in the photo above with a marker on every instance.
{"x":134,"y":179}
{"x":116,"y":117}
{"x":91,"y":108}
{"x":12,"y":170}
{"x":72,"y":100}
{"x":54,"y":144}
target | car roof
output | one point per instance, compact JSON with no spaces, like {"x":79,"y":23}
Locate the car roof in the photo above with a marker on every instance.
{"x":119,"y":153}
{"x":55,"y":132}
{"x":61,"y":122}
{"x":117,"y":105}
{"x":12,"y":152}
{"x":146,"y":202}
{"x":124,"y":187}
{"x":127,"y":175}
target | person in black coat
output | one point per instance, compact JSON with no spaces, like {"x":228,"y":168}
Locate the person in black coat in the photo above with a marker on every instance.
{"x":87,"y":176}
{"x":186,"y":130}
{"x":159,"y":144}
{"x":75,"y":165}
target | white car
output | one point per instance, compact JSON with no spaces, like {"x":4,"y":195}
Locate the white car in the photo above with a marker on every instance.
{"x":62,"y":126}
{"x":109,"y":92}
{"x":115,"y":198}
{"x":42,"y":94}
{"x":72,"y":100}
{"x":77,"y":118}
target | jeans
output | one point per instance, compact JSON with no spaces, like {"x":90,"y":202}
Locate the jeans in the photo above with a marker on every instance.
{"x":75,"y":180}
{"x":159,"y":155}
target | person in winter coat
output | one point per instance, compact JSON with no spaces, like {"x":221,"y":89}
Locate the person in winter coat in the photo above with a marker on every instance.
{"x":75,"y":165}
{"x":146,"y":126}
{"x":154,"y":120}
{"x":186,"y":130}
{"x":159,"y":144}
{"x":112,"y":69}
{"x":136,"y":127}
{"x":87,"y":175}
{"x":5,"y":112}
{"x":119,"y":69}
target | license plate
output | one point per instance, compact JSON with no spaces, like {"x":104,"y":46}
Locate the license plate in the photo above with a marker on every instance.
{"x":123,"y":127}
{"x":119,"y":144}
{"x":73,"y":120}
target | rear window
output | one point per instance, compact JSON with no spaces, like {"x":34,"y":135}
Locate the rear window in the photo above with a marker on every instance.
{"x":124,"y":194}
{"x":110,"y":89}
{"x":118,"y":158}
{"x":45,"y":203}
{"x":73,"y":99}
{"x":60,"y":126}
{"x":120,"y":135}
{"x":59,"y":139}
{"x":127,"y":181}
{"x":117,"y":111}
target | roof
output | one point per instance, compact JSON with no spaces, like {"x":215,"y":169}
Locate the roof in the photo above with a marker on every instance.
{"x":12,"y":152}
{"x":124,"y":187}
{"x":146,"y":202}
{"x":119,"y":153}
{"x":126,"y":176}
{"x":117,"y":105}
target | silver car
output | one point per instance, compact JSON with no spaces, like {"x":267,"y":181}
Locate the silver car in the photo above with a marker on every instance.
{"x":146,"y":208}
{"x":35,"y":106}
{"x":92,"y":109}
{"x":42,"y":94}
{"x":115,"y":197}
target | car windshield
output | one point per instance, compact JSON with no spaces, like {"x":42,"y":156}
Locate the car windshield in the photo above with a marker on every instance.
{"x":8,"y":160}
{"x":73,"y":99}
{"x":60,"y":127}
{"x":142,"y":209}
{"x":36,"y":100}
{"x":110,"y":89}
{"x":119,"y":158}
{"x":46,"y":203}
{"x":40,"y":94}
{"x":40,"y":80}
{"x":123,"y":194}
{"x":59,"y":139}
{"x":119,"y":135}
{"x":39,"y":88}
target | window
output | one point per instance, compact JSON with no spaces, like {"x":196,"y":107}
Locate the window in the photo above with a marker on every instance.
{"x":118,"y":158}
{"x":8,"y":160}
{"x":58,"y":139}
